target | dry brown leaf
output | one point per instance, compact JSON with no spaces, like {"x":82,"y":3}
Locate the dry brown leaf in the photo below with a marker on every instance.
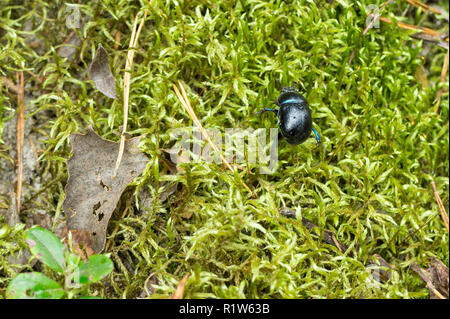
{"x":180,"y":289}
{"x":92,"y":193}
{"x":81,"y":243}
{"x":101,"y":74}
{"x":436,"y":277}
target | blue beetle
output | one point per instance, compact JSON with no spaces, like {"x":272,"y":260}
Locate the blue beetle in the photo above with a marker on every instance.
{"x":294,"y":116}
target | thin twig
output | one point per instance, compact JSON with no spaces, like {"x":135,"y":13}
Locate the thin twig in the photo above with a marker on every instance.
{"x":407,"y":26}
{"x":126,"y":85}
{"x":20,"y":135}
{"x":437,"y":293}
{"x":431,"y":39}
{"x":423,"y":6}
{"x":441,"y":206}
{"x":443,"y":75}
{"x":375,"y":17}
{"x":187,"y":105}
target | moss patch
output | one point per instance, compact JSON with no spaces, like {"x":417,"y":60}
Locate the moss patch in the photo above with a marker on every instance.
{"x":233,"y":58}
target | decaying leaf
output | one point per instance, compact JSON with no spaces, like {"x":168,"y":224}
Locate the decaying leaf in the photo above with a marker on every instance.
{"x":100,"y":73}
{"x":92,"y":193}
{"x":82,"y":242}
{"x":436,"y":277}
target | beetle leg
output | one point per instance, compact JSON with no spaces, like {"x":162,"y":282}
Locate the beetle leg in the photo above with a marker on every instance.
{"x":318,"y":139}
{"x":317,"y":135}
{"x":267,"y":110}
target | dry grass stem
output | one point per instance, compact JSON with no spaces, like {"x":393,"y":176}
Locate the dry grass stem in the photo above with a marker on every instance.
{"x":441,"y":205}
{"x":126,"y":85}
{"x":423,"y":6}
{"x":407,"y":26}
{"x":180,"y":289}
{"x":20,"y":135}
{"x":187,"y":105}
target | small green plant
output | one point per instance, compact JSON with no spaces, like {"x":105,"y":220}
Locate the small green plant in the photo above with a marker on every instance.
{"x":69,"y":267}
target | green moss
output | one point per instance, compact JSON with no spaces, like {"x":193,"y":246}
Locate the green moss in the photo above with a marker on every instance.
{"x":233,"y":58}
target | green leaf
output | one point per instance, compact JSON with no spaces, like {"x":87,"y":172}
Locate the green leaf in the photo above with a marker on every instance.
{"x":33,"y":286}
{"x":47,"y":247}
{"x":98,"y":267}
